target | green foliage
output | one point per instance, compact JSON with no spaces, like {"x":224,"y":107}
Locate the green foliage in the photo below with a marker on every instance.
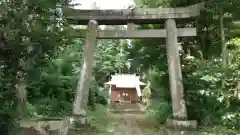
{"x":51,"y":60}
{"x":33,"y":34}
{"x":218,"y":131}
{"x":97,"y":95}
{"x":54,"y":84}
{"x":40,"y":52}
{"x":159,"y":110}
{"x":208,"y":100}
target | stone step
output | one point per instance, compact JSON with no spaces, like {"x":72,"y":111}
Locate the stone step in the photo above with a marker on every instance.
{"x":128,"y":111}
{"x":125,"y":105}
{"x":133,"y":108}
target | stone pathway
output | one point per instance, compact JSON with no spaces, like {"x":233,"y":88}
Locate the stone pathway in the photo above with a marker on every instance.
{"x":127,"y":119}
{"x":131,"y":124}
{"x":131,"y":108}
{"x":126,"y":122}
{"x":127,"y":125}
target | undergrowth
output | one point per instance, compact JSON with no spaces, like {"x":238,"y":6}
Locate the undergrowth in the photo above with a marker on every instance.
{"x":100,"y":122}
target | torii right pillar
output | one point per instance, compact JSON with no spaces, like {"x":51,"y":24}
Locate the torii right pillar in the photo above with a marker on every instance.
{"x":180,"y":118}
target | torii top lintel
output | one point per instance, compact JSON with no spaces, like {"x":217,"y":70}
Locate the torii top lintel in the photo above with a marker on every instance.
{"x":137,"y":16}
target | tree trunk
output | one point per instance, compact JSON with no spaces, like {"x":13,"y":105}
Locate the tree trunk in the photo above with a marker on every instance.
{"x":83,"y":86}
{"x":21,"y":95}
{"x":224,"y":49}
{"x":175,"y":73}
{"x":22,"y":99}
{"x":223,"y":41}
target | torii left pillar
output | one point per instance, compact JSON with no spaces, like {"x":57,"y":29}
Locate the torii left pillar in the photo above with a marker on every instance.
{"x":83,"y":86}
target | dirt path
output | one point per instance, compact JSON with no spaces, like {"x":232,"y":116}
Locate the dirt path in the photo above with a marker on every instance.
{"x":127,"y":125}
{"x":122,"y":124}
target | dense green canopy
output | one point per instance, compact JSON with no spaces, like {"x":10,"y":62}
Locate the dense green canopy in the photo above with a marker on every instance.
{"x":40,"y":55}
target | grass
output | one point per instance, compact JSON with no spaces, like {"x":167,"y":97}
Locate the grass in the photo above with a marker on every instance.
{"x":103,"y":122}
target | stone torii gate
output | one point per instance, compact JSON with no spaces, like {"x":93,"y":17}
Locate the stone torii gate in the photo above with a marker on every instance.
{"x":169,"y":16}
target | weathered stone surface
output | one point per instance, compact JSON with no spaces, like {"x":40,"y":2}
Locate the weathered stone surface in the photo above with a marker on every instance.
{"x":45,"y":126}
{"x":135,"y":34}
{"x":181,"y":124}
{"x":137,"y":16}
{"x":131,"y":27}
{"x":79,"y":121}
{"x":83,"y":86}
{"x":182,"y":132}
{"x":175,"y":73}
